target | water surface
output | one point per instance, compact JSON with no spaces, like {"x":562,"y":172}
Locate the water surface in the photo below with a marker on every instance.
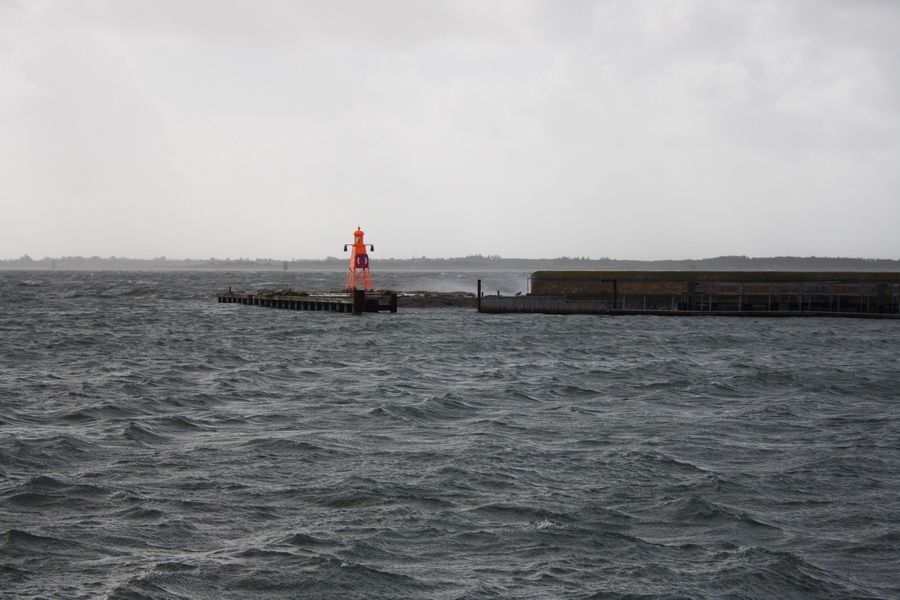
{"x":155,"y":444}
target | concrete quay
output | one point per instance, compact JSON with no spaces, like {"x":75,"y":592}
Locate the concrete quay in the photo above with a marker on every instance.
{"x":706,"y":293}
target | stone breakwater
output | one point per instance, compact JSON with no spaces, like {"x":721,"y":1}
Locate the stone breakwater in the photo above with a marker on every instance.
{"x":422,"y":299}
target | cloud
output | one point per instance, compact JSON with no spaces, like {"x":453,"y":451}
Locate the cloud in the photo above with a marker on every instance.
{"x":688,"y":128}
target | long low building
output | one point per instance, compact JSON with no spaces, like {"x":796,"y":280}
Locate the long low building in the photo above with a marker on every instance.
{"x":730,"y":291}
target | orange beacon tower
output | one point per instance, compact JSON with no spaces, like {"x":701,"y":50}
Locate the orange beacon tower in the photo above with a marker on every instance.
{"x":359,"y":276}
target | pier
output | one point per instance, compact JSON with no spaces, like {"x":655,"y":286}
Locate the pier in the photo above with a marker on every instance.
{"x":705,"y":293}
{"x":358,"y":297}
{"x":356,"y":302}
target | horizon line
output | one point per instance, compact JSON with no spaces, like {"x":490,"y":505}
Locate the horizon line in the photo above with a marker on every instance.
{"x":471,"y":257}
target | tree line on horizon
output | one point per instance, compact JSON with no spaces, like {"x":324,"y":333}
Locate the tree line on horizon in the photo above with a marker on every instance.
{"x":470,"y":262}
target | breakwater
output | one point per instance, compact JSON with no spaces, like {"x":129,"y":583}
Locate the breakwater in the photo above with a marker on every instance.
{"x":723,"y":293}
{"x":356,"y":302}
{"x":343,"y":302}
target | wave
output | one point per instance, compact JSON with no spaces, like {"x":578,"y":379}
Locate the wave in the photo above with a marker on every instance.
{"x":520,"y":513}
{"x":11,"y":574}
{"x":44,"y":492}
{"x":19,"y":540}
{"x":307,"y":541}
{"x":144,"y":435}
{"x":139,"y":587}
{"x":767,"y":572}
{"x":694,"y":510}
{"x":285,"y":446}
{"x":155,"y":444}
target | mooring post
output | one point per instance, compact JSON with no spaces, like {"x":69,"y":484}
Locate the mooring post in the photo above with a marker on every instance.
{"x":359,"y":301}
{"x":478,"y":297}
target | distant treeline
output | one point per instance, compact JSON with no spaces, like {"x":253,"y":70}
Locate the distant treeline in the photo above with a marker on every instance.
{"x":475,"y":262}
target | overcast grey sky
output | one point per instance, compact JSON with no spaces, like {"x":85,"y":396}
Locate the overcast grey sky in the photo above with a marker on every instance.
{"x":628,"y":129}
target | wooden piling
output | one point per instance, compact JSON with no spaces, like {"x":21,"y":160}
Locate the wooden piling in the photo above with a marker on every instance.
{"x":478,"y":296}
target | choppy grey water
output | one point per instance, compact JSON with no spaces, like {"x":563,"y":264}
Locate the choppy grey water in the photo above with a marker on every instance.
{"x":155,"y":444}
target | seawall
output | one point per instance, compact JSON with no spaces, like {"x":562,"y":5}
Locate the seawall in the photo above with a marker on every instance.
{"x":757,"y":293}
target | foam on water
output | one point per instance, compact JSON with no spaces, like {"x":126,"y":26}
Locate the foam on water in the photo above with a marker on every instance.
{"x":155,"y":444}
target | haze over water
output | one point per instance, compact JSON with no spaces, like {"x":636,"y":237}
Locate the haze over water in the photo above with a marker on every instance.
{"x":155,"y":444}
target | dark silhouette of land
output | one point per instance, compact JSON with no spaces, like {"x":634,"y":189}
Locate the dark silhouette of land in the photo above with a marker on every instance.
{"x":466,"y":263}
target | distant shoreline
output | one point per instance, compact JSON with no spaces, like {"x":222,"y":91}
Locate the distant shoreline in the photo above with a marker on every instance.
{"x":463,"y":264}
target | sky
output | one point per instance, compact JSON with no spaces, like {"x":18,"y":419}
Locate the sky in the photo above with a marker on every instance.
{"x":622,"y":128}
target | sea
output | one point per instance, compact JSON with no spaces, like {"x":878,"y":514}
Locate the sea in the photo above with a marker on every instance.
{"x":155,"y":444}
